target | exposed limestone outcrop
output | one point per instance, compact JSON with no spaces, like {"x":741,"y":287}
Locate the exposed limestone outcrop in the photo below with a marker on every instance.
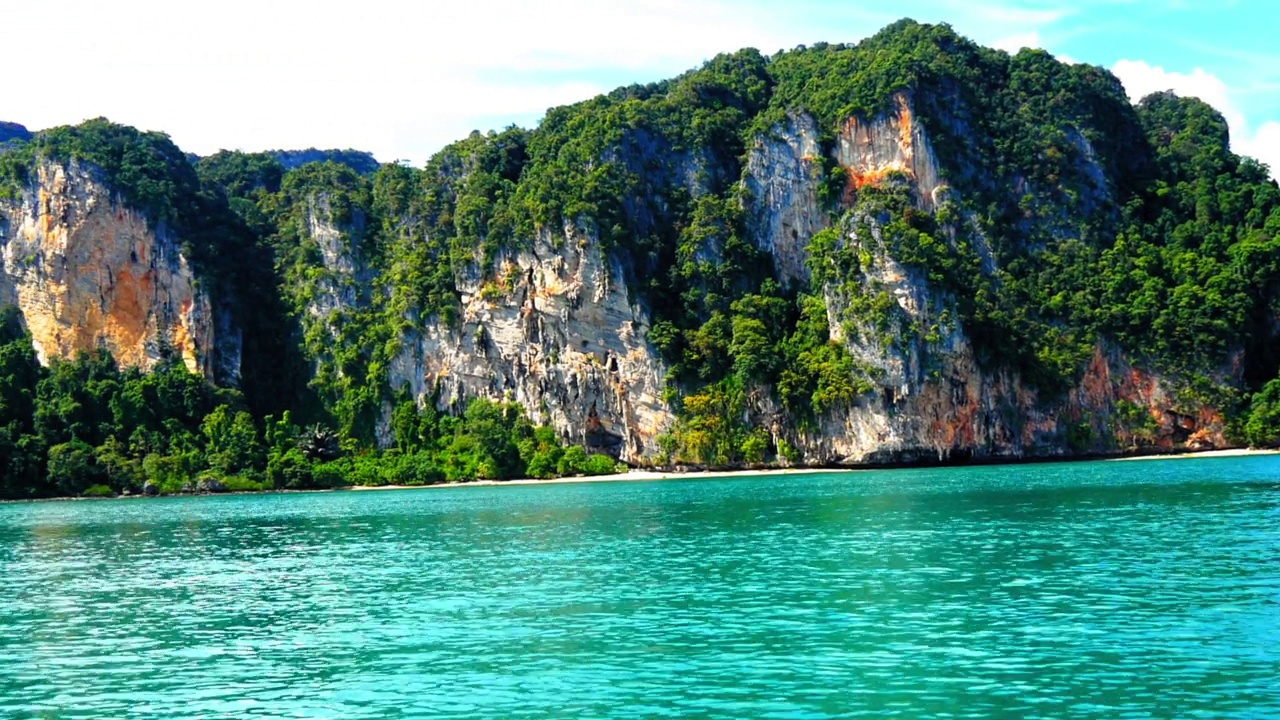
{"x":553,"y":327}
{"x":784,"y":172}
{"x":561,"y":336}
{"x":347,"y":278}
{"x":88,"y":272}
{"x":893,"y":142}
{"x":782,"y":181}
{"x":932,"y":399}
{"x":935,"y":401}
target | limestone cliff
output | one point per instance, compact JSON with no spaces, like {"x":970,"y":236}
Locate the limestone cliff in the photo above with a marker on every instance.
{"x":88,"y":272}
{"x":894,"y":142}
{"x":561,"y":336}
{"x":783,"y":184}
{"x":933,"y":399}
{"x":553,"y":328}
{"x":908,"y":249}
{"x":559,"y":327}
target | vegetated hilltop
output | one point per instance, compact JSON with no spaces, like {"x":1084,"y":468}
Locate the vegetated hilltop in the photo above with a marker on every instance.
{"x":358,"y":160}
{"x":911,"y":248}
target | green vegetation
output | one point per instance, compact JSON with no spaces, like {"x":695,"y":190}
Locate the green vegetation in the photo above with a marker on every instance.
{"x":1136,"y":423}
{"x":1262,"y":423}
{"x":1069,"y":219}
{"x":1136,"y":224}
{"x":85,"y":427}
{"x":361,"y":162}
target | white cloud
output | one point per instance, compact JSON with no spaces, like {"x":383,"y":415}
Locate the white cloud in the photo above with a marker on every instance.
{"x":398,"y":78}
{"x":1141,"y":79}
{"x":1013,"y":43}
{"x":1262,"y":143}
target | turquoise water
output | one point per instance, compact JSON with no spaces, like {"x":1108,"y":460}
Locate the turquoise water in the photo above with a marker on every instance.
{"x":1078,"y":590}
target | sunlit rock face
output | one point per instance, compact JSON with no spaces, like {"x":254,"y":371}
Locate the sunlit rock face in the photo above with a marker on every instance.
{"x":556,"y":327}
{"x":86,"y":272}
{"x":932,"y":399}
{"x":562,"y":338}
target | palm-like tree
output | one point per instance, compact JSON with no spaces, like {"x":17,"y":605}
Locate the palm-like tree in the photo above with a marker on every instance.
{"x":319,"y":443}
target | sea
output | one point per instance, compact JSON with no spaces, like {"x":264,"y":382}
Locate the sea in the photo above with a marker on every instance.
{"x":1070,"y":590}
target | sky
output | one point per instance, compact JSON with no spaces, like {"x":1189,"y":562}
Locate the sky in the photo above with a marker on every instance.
{"x":402,"y":78}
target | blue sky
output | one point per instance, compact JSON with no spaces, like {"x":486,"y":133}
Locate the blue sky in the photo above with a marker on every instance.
{"x":402,"y":79}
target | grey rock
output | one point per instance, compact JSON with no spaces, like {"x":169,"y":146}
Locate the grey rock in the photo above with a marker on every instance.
{"x":210,"y":485}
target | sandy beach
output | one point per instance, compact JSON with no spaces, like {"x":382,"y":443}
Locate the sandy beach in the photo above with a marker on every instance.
{"x":644,"y":475}
{"x":634,"y":475}
{"x":650,"y":475}
{"x":1235,"y":452}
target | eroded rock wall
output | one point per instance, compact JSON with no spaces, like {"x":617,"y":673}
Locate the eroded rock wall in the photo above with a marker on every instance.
{"x":932,"y":399}
{"x":893,"y":142}
{"x":87,"y":272}
{"x":555,"y":327}
{"x":783,"y":172}
{"x":561,"y":336}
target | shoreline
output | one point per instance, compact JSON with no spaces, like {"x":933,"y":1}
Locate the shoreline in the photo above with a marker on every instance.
{"x":632,"y":476}
{"x":1183,"y":455}
{"x":652,"y":475}
{"x":657,"y":475}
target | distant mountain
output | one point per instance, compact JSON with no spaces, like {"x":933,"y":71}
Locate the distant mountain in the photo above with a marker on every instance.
{"x":13,"y":131}
{"x":362,"y":162}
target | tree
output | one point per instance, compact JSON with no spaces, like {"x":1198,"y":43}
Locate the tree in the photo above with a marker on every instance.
{"x":496,"y":427}
{"x":73,"y":467}
{"x":231,"y":441}
{"x":319,"y":444}
{"x":1262,"y":429}
{"x":573,"y":461}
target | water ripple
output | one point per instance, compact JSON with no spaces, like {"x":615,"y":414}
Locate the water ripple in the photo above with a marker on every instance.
{"x":1086,"y":590}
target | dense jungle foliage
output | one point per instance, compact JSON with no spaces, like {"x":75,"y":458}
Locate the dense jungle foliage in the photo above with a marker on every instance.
{"x":1072,"y":218}
{"x":85,"y":426}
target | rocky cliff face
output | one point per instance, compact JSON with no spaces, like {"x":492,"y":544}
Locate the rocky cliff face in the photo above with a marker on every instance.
{"x":556,"y":328}
{"x":870,"y":150}
{"x":782,"y":178}
{"x":562,"y":337}
{"x":553,"y":328}
{"x":87,"y":272}
{"x":933,"y":400}
{"x":347,"y":278}
{"x":560,"y":326}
